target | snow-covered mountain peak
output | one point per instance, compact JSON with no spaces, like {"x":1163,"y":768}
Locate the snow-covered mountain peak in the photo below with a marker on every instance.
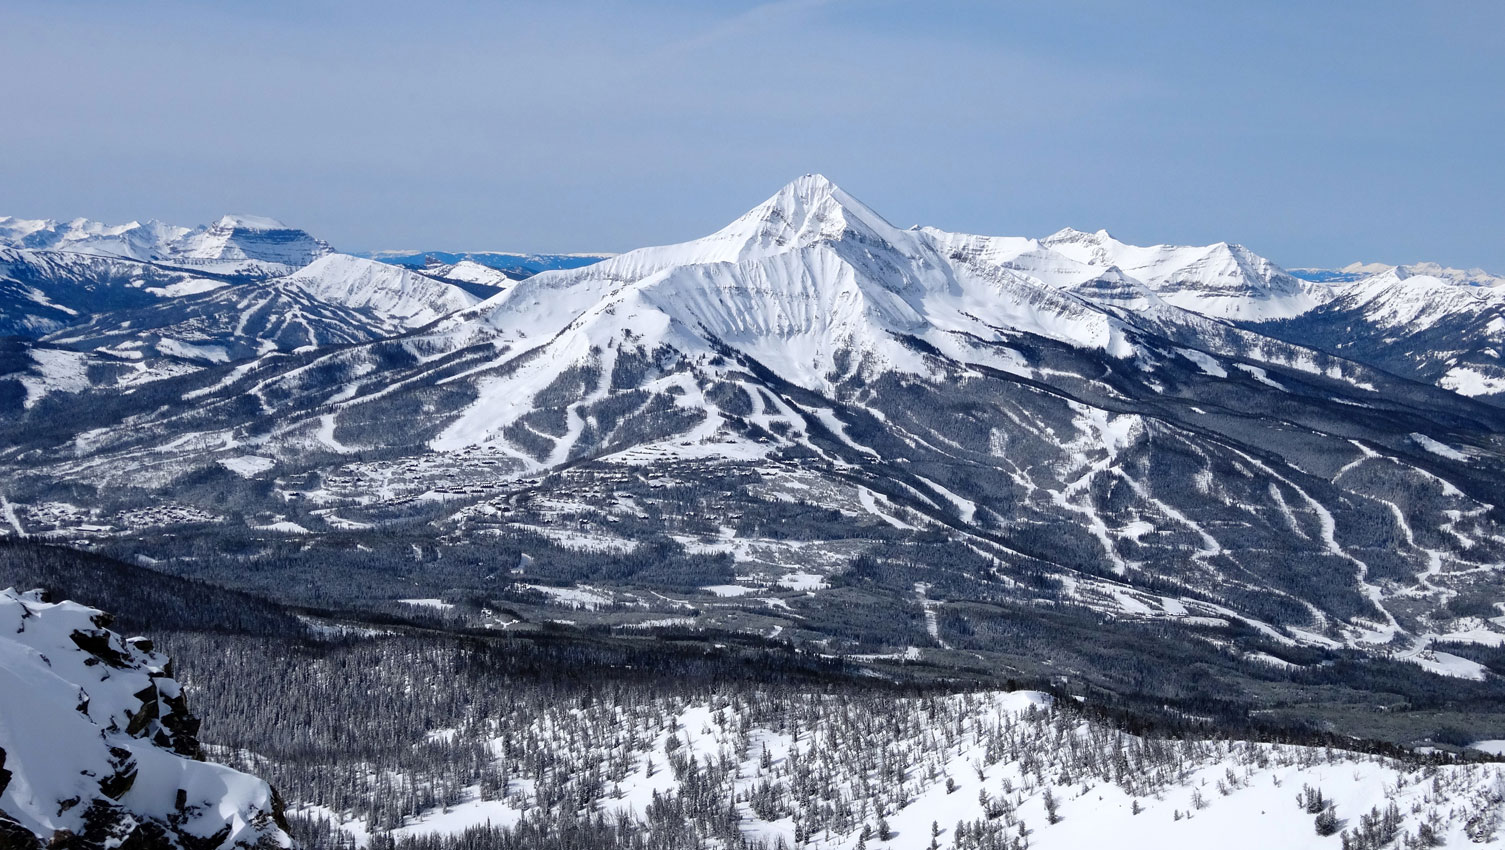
{"x":13,"y":229}
{"x":250,"y":222}
{"x":1474,"y":277}
{"x":469,"y":271}
{"x":1222,"y":280}
{"x":1070,"y":235}
{"x":1365,"y":268}
{"x":812,"y":284}
{"x":810,"y":209}
{"x":1431,"y":294}
{"x":1458,"y":277}
{"x":240,"y":238}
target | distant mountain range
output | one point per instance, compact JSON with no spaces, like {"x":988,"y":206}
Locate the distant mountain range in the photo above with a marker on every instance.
{"x":766,"y":429}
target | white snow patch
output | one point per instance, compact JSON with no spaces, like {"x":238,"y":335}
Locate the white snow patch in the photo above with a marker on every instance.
{"x":1471,"y":382}
{"x":247,"y":466}
{"x":1437,"y":448}
{"x":1260,"y":375}
{"x":572,"y":597}
{"x":190,"y":351}
{"x":803,"y":581}
{"x":282,"y":527}
{"x":1207,"y":364}
{"x":437,"y":604}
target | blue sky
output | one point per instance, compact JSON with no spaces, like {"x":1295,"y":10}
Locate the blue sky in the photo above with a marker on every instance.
{"x":1315,"y":133}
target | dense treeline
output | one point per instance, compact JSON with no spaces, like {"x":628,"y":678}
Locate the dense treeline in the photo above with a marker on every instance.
{"x":141,"y":600}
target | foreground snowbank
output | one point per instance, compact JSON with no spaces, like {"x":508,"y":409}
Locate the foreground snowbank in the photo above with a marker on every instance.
{"x":96,"y":740}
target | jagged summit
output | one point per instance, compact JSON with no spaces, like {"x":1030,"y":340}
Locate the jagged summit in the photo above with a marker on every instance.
{"x":809,"y":209}
{"x":1071,"y":234}
{"x":812,"y":205}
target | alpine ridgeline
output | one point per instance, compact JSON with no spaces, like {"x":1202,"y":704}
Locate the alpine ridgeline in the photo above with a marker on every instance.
{"x":809,"y":425}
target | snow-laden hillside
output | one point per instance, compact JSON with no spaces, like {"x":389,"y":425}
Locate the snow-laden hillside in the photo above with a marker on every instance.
{"x":30,"y":370}
{"x":407,"y":298}
{"x":470,"y":271}
{"x":1397,"y":301}
{"x":978,"y":771}
{"x":42,"y":291}
{"x":241,"y":288}
{"x":55,"y":275}
{"x":1439,"y":325}
{"x":96,"y":740}
{"x":236,"y":323}
{"x":1222,"y":280}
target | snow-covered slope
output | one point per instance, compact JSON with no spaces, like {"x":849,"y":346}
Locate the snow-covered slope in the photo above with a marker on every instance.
{"x":96,"y":739}
{"x":1400,"y":301}
{"x":335,"y":300}
{"x":1222,"y":280}
{"x":56,"y":274}
{"x":241,"y":287}
{"x":42,"y":291}
{"x":244,"y":244}
{"x":406,"y":297}
{"x":470,"y":271}
{"x":230,"y":324}
{"x":976,"y":771}
{"x":32,"y":370}
{"x":1445,"y":327}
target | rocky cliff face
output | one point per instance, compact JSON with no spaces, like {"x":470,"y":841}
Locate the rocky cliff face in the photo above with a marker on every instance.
{"x":98,"y":747}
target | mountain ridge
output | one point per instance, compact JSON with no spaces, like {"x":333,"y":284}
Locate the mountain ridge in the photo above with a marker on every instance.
{"x":1045,"y":412}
